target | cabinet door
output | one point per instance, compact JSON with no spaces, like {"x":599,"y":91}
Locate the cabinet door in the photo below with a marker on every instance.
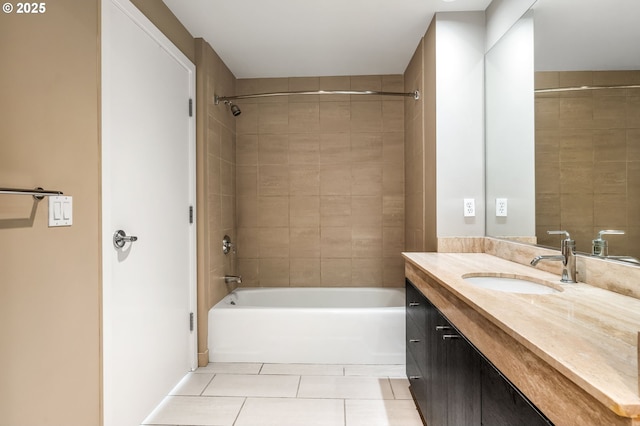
{"x":463,"y":381}
{"x":503,"y":404}
{"x":436,"y":374}
{"x":416,"y":345}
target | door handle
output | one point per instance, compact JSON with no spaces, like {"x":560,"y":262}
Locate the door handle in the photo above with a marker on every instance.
{"x":120,"y":238}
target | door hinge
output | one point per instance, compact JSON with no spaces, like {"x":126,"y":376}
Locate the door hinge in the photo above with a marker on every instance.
{"x":190,"y":214}
{"x":190,"y":107}
{"x":190,"y":321}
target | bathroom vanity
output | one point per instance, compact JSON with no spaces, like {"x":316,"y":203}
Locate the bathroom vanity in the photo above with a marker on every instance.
{"x":481,"y":356}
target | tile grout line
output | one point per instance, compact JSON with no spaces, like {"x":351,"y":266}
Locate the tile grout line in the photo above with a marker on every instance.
{"x":240,"y":410}
{"x":207,"y":385}
{"x":298,"y":388}
{"x":344,"y":410}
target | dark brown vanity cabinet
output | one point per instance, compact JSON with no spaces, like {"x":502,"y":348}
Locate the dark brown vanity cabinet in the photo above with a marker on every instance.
{"x":451,"y":382}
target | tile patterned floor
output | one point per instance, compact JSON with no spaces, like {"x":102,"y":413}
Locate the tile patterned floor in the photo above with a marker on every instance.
{"x":246,"y":394}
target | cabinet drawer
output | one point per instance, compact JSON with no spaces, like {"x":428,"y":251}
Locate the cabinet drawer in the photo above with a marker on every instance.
{"x":416,"y":305}
{"x":417,"y":383}
{"x":416,"y":343}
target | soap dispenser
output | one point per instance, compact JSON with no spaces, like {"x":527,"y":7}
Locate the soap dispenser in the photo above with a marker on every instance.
{"x":599,"y":246}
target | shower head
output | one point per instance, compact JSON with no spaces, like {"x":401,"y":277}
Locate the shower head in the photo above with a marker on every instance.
{"x":235,"y":110}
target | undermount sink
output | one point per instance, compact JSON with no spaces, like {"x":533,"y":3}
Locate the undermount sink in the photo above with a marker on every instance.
{"x":510,"y":284}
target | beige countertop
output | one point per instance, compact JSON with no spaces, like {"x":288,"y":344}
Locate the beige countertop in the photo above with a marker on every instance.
{"x":588,"y":334}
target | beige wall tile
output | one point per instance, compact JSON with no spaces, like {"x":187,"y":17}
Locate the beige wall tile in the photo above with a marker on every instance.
{"x":367,"y":210}
{"x":610,"y":178}
{"x":304,"y":149}
{"x":392,"y":116}
{"x":247,"y":243}
{"x":633,"y":144}
{"x":247,"y":210}
{"x":366,"y":116}
{"x":305,"y":242}
{"x":366,"y":179}
{"x":273,"y":272}
{"x":304,"y":180}
{"x":273,"y":149}
{"x":335,"y":179}
{"x":247,"y":150}
{"x":273,"y":211}
{"x":247,"y":122}
{"x":273,"y":243}
{"x":335,"y":116}
{"x":273,"y":180}
{"x":335,"y":211}
{"x":304,"y":117}
{"x":335,"y":148}
{"x":318,"y":178}
{"x":610,"y":145}
{"x":392,"y":241}
{"x":247,"y":180}
{"x":393,"y":148}
{"x":304,"y":272}
{"x":393,"y":271}
{"x":366,"y":148}
{"x":393,"y":210}
{"x":366,"y":272}
{"x":273,"y":117}
{"x":366,"y":241}
{"x":335,"y":242}
{"x":304,"y":211}
{"x":335,"y":272}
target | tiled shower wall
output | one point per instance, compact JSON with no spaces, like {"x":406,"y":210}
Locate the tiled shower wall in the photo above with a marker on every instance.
{"x":588,"y":159}
{"x":216,"y":203}
{"x":320,"y":183}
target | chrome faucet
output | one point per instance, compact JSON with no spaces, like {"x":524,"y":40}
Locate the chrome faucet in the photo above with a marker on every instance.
{"x":568,"y":257}
{"x":599,"y":246}
{"x":236,"y":279}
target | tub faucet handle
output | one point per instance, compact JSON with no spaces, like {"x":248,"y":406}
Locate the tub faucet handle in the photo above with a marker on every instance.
{"x":229,"y":279}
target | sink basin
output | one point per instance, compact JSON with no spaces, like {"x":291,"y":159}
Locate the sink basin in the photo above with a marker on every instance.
{"x":510,"y":284}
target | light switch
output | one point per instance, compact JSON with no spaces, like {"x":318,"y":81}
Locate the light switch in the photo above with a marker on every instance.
{"x":57,"y":210}
{"x":60,"y":211}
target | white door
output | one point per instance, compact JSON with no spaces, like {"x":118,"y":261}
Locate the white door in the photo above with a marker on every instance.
{"x":148,"y":186}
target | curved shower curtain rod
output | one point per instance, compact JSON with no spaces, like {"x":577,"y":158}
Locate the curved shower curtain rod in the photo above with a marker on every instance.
{"x":226,"y":99}
{"x":579,"y":88}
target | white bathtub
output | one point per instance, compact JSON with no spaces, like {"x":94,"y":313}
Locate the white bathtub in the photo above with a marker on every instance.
{"x":309,"y":325}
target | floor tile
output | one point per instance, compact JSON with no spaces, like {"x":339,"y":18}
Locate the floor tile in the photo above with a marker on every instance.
{"x":400,"y":388}
{"x":231,"y":368}
{"x":344,"y":387}
{"x":394,"y":370}
{"x":196,"y":411}
{"x":291,"y":412}
{"x":192,"y":384}
{"x":381,"y":413}
{"x":253,"y":385}
{"x":304,"y":369}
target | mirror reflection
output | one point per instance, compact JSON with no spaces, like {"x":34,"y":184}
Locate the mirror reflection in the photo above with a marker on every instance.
{"x":563,"y":129}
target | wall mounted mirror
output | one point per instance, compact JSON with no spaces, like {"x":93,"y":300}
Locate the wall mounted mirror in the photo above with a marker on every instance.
{"x":569,"y":158}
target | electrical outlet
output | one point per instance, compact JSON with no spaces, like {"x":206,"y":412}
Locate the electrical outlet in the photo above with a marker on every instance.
{"x":501,"y":207}
{"x":469,"y":207}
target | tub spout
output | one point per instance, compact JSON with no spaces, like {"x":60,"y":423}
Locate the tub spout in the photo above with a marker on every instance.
{"x":229,"y":279}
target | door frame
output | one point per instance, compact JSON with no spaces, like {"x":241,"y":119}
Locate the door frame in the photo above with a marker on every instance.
{"x":106,"y":203}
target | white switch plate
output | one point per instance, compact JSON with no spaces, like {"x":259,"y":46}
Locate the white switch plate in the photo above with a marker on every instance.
{"x":501,"y":207}
{"x":60,"y":211}
{"x":469,"y":207}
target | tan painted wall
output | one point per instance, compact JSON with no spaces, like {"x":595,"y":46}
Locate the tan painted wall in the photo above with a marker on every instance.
{"x":50,"y":277}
